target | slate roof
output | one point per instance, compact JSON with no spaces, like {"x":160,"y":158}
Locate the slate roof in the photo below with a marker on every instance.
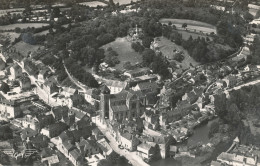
{"x":127,"y":136}
{"x":119,"y":108}
{"x":75,"y":153}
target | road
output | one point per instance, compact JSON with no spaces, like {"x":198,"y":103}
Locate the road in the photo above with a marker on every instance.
{"x":130,"y":156}
{"x":243,"y":85}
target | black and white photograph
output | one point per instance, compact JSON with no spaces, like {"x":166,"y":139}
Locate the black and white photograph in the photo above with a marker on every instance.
{"x":129,"y":82}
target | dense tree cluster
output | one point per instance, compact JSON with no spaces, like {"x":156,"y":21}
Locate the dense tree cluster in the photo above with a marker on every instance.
{"x":156,"y":62}
{"x":6,"y":132}
{"x":255,"y":49}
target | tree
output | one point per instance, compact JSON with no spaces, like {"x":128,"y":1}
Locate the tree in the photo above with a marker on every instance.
{"x":214,"y":127}
{"x":148,"y":56}
{"x":4,"y":87}
{"x":184,"y":25}
{"x":146,"y":41}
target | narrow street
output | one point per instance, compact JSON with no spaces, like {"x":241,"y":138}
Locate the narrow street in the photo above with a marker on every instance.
{"x":130,"y":156}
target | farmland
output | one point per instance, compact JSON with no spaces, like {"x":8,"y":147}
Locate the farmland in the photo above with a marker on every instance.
{"x":167,"y":47}
{"x":93,"y":4}
{"x":192,"y":25}
{"x":125,"y":53}
{"x":123,"y":2}
{"x":10,"y":35}
{"x":22,"y":26}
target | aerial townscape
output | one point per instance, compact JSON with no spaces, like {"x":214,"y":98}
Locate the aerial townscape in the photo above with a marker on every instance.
{"x":130,"y":82}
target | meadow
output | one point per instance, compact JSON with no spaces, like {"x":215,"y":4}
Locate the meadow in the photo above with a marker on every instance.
{"x":125,"y":53}
{"x":192,"y":25}
{"x":167,"y":47}
{"x":123,"y":2}
{"x":93,"y":4}
{"x":22,"y":26}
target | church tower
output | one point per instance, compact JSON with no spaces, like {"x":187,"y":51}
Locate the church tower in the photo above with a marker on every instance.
{"x":104,"y":103}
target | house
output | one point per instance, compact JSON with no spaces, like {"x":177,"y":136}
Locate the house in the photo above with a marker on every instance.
{"x":68,"y":91}
{"x":39,"y":141}
{"x":75,"y":157}
{"x":30,"y":122}
{"x":129,"y":141}
{"x":52,"y":160}
{"x":115,"y":86}
{"x":105,"y":147}
{"x":164,"y":142}
{"x":145,"y":151}
{"x":27,"y":134}
{"x":151,"y":121}
{"x":79,"y":114}
{"x":2,"y":64}
{"x":92,"y":95}
{"x":50,"y":87}
{"x":88,"y":147}
{"x":10,"y":108}
{"x":173,"y":150}
{"x":215,"y":163}
{"x":230,"y":81}
{"x":16,"y":71}
{"x":54,"y":130}
{"x":25,"y":83}
{"x":43,"y":75}
{"x":29,"y":66}
{"x":146,"y":87}
{"x":65,"y":147}
{"x":137,"y":72}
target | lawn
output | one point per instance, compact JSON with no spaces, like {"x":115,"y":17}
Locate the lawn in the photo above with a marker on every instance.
{"x":192,"y":25}
{"x":24,"y":48}
{"x":125,"y":53}
{"x":22,"y":26}
{"x":123,"y":2}
{"x":93,"y":4}
{"x":167,"y":47}
{"x":187,"y":34}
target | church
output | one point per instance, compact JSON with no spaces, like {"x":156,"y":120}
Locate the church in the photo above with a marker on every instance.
{"x":126,"y":105}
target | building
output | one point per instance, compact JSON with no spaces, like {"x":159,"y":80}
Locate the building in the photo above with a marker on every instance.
{"x":129,"y":141}
{"x":88,"y":147}
{"x":9,"y":108}
{"x":105,"y":147}
{"x":16,"y":71}
{"x":75,"y":157}
{"x":145,"y":151}
{"x":54,"y":130}
{"x":2,"y":64}
{"x":25,"y":83}
{"x":50,"y":88}
{"x":115,"y":86}
{"x":230,"y":81}
{"x":137,"y":72}
{"x":124,"y":105}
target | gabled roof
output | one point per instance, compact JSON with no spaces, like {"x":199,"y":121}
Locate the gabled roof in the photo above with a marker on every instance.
{"x":119,"y":108}
{"x":145,"y":146}
{"x":127,"y":136}
{"x":148,"y":85}
{"x":75,"y":153}
{"x":67,"y":145}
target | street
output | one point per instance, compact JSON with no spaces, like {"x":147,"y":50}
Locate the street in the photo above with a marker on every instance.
{"x":131,"y":156}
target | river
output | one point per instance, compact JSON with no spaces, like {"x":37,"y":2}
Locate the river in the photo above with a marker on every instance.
{"x":200,"y":135}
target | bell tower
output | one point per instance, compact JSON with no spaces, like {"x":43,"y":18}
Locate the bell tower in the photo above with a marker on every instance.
{"x":104,"y":103}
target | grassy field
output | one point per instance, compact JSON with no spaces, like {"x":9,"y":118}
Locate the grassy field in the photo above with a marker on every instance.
{"x":93,"y":4}
{"x":194,"y":25}
{"x":125,"y":53}
{"x":187,"y":34}
{"x":167,"y":47}
{"x":123,"y":2}
{"x":24,"y":48}
{"x":22,"y":26}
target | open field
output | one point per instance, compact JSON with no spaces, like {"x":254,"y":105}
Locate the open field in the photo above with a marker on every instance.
{"x":192,"y":25}
{"x":187,"y":34}
{"x":93,"y":4}
{"x":22,"y":26}
{"x":167,"y":47}
{"x":123,"y":2}
{"x":24,"y":48}
{"x":125,"y":53}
